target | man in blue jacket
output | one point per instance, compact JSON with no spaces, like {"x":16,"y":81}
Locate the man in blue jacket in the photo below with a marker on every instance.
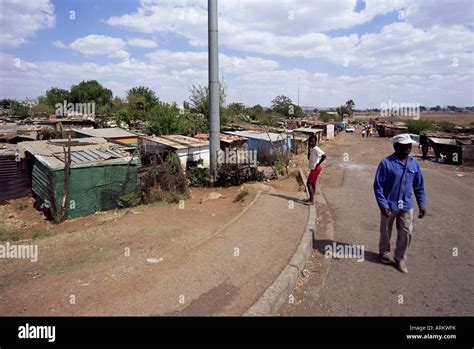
{"x":397,"y":177}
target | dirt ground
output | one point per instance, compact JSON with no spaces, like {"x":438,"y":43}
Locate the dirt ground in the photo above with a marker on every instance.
{"x":90,"y":250}
{"x":460,"y":119}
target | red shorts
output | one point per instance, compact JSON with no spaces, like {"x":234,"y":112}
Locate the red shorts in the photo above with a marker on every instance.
{"x":313,"y":175}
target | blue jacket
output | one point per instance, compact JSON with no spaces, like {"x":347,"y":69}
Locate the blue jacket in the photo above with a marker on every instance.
{"x":394,"y":184}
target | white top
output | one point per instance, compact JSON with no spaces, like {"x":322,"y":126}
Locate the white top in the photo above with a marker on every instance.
{"x":314,"y":157}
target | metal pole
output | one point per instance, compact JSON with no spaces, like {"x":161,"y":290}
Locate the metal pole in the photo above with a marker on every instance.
{"x":214,"y":119}
{"x":298,"y":91}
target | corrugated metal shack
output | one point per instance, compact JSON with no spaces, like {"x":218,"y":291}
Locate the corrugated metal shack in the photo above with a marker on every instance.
{"x":301,"y":135}
{"x":98,"y":175}
{"x":114,"y":135}
{"x":226,"y":141}
{"x":192,"y":152}
{"x":453,"y":151}
{"x":265,"y":144}
{"x":14,"y":179}
{"x":390,"y":130}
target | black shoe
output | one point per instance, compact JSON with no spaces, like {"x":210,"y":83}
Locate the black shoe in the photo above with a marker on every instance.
{"x":384,"y":258}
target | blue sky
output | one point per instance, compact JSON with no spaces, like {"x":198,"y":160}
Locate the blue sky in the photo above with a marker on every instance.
{"x":371,"y":51}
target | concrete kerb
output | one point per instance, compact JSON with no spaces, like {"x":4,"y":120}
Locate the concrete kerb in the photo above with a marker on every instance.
{"x":280,"y":290}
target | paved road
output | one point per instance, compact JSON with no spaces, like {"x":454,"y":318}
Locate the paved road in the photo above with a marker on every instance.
{"x":438,"y":283}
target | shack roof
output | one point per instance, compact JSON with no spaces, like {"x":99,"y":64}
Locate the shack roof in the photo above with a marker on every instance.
{"x":308,"y":130}
{"x":450,"y":141}
{"x":8,"y":149}
{"x":226,"y":138}
{"x":84,"y":152}
{"x":274,"y":137}
{"x":113,"y":132}
{"x":177,"y":141}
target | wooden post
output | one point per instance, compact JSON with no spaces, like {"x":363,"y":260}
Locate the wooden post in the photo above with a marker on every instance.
{"x":67,"y":173}
{"x":274,"y":171}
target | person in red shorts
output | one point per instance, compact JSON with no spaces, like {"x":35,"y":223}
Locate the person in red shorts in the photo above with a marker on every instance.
{"x":316,"y":157}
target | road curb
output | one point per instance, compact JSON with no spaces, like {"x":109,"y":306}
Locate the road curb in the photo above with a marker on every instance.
{"x":280,"y":290}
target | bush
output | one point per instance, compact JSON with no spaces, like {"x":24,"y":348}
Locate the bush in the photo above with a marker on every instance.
{"x":416,"y":126}
{"x":9,"y":235}
{"x":48,"y":133}
{"x":164,"y":182}
{"x":41,"y":233}
{"x":446,"y":126}
{"x":129,"y":200}
{"x":326,"y":117}
{"x":167,"y":196}
{"x":20,"y":206}
{"x":243,"y":192}
{"x":199,"y":177}
{"x":233,"y":175}
{"x":280,"y":167}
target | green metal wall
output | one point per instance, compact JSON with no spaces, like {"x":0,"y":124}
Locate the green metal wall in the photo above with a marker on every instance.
{"x":91,"y":189}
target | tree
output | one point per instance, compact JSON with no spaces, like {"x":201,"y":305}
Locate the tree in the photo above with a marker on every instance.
{"x":255,"y":112}
{"x":57,"y":95}
{"x":349,"y":107}
{"x":91,"y":92}
{"x":283,"y":105}
{"x":199,"y":98}
{"x":236,"y":109}
{"x":141,"y":98}
{"x":18,"y":109}
{"x":42,"y":106}
{"x":341,"y":111}
{"x":325,"y":116}
{"x":165,"y":119}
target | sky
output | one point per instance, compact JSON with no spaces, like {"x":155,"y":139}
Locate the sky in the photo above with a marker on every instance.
{"x":370,"y":51}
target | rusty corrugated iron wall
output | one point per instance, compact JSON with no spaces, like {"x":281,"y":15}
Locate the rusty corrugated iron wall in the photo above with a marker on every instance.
{"x":14,"y":178}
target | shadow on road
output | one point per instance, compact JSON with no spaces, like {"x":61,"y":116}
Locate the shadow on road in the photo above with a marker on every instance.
{"x":295,"y":199}
{"x":320,"y":246}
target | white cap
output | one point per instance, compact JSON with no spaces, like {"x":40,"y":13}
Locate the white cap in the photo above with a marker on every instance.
{"x":402,"y":139}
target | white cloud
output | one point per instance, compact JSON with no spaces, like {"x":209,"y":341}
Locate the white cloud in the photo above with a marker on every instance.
{"x":249,"y":81}
{"x":20,"y":20}
{"x":198,"y":59}
{"x":426,"y":57}
{"x":93,"y":45}
{"x":60,"y":44}
{"x":283,"y":17}
{"x":145,"y":43}
{"x":427,"y":13}
{"x":297,"y":29}
{"x":401,"y":48}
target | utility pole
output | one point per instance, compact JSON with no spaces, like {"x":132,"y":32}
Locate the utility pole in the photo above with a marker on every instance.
{"x":214,"y":90}
{"x":298,"y":91}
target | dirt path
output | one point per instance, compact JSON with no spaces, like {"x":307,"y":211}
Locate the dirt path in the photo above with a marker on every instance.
{"x":97,"y":265}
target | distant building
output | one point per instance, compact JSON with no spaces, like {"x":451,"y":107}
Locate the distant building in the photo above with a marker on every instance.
{"x":192,"y":152}
{"x":265,"y":144}
{"x":114,"y":135}
{"x":227,"y":141}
